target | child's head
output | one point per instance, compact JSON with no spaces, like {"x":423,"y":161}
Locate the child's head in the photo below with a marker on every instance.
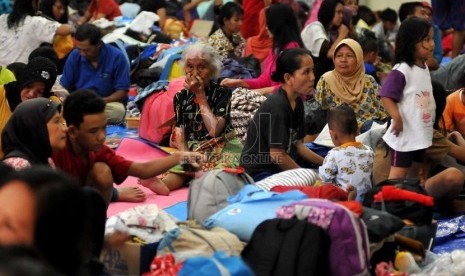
{"x":367,"y":15}
{"x":411,"y":9}
{"x":294,"y":69}
{"x":389,"y":18}
{"x":369,"y":45}
{"x":342,"y":124}
{"x":414,"y":41}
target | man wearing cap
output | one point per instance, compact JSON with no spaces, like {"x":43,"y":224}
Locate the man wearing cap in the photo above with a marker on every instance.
{"x":35,"y":80}
{"x":100,"y":67}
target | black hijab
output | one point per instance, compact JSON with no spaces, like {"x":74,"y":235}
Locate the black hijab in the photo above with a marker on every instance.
{"x":39,"y":69}
{"x":26,"y":134}
{"x":13,"y":95}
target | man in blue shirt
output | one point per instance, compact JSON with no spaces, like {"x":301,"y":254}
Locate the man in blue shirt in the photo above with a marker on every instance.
{"x":100,"y":67}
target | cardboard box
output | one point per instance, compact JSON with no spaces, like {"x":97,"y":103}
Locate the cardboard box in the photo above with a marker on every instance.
{"x":132,"y":122}
{"x":130,"y":259}
{"x":201,"y":28}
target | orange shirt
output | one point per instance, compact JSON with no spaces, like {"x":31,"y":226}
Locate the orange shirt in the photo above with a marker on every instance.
{"x":454,"y":113}
{"x":5,"y":114}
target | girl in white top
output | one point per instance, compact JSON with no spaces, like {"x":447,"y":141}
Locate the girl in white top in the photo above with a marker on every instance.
{"x":22,"y":31}
{"x":407,"y":96}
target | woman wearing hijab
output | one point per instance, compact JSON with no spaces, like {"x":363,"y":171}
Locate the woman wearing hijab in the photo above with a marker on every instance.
{"x":33,"y":133}
{"x":349,"y":84}
{"x":35,"y":80}
{"x":260,"y":45}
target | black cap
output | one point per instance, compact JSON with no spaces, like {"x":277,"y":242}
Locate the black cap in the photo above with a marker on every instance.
{"x":38,"y":69}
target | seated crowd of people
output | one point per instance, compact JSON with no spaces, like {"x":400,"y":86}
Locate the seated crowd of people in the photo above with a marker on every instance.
{"x":333,"y":63}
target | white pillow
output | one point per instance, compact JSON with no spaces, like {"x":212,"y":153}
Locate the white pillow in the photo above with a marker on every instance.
{"x":295,"y":177}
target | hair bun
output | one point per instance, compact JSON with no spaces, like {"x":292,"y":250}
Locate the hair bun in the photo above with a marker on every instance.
{"x":275,"y":76}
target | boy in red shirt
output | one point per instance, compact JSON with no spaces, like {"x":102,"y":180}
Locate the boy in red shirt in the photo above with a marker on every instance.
{"x":89,"y":160}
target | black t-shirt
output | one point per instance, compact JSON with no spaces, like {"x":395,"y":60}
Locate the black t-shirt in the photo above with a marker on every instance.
{"x":152,"y":5}
{"x":322,"y":63}
{"x":188,"y":115}
{"x":274,"y":125}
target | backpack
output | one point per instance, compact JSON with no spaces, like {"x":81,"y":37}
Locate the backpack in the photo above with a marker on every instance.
{"x":349,"y":246}
{"x":380,"y":224}
{"x":209,"y":194}
{"x":249,"y":208}
{"x":405,"y":209}
{"x":326,"y":191}
{"x":288,"y":247}
{"x":218,"y":264}
{"x":191,"y":239}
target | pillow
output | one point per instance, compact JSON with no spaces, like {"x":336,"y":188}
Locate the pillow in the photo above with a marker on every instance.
{"x":380,"y":224}
{"x":295,"y":177}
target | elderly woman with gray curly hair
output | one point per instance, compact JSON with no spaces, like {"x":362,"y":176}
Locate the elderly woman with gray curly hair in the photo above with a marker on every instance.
{"x":202,"y":115}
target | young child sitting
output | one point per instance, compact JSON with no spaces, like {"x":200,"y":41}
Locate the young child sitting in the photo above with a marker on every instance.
{"x":349,"y":164}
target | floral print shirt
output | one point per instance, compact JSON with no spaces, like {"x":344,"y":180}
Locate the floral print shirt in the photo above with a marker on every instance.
{"x":224,"y":46}
{"x":188,"y":116}
{"x":349,"y":164}
{"x":369,"y":108}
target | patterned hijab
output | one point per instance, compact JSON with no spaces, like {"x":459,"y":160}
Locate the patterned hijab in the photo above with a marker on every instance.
{"x":348,"y":88}
{"x":26,"y":132}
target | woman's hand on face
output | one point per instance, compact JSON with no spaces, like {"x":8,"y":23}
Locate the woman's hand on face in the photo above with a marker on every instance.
{"x":397,"y":126}
{"x":343,"y":30}
{"x":230,"y":82}
{"x":195,"y":84}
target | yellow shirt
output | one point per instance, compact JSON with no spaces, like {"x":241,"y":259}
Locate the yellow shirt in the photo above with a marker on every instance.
{"x":6,"y":76}
{"x":5,"y":114}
